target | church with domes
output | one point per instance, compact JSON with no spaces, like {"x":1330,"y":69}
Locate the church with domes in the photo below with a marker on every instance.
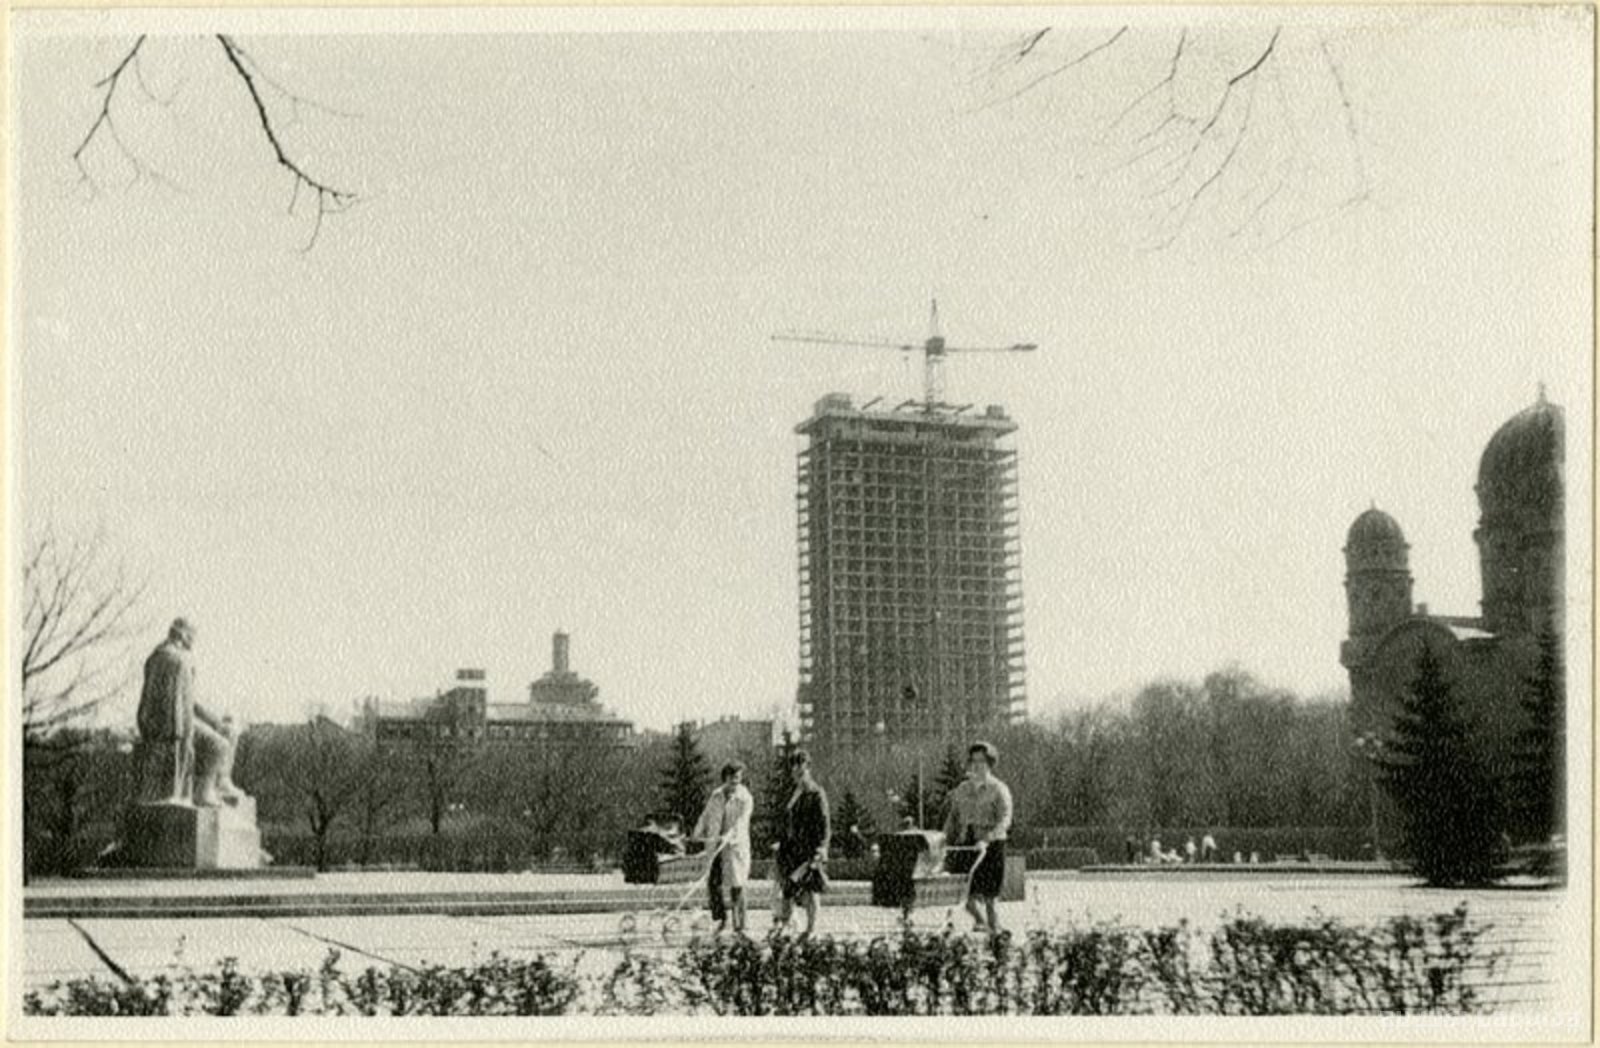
{"x":1490,"y":656}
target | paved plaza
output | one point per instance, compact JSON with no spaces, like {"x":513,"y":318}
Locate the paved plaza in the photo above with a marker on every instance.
{"x":1532,"y":926}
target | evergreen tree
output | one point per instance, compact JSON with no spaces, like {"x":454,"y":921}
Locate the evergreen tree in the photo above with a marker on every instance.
{"x":906,"y":802}
{"x":851,"y":813}
{"x":952,"y":773}
{"x":777,"y":788}
{"x":1538,"y":779}
{"x":1447,"y":800}
{"x":686,"y":780}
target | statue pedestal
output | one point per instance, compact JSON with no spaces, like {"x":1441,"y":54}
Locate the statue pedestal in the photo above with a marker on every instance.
{"x":168,"y":835}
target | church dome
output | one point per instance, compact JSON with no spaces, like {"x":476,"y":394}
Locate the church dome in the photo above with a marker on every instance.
{"x":1374,"y":528}
{"x":1520,"y":471}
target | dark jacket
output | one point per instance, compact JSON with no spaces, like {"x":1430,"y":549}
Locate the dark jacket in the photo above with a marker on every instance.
{"x":807,"y":825}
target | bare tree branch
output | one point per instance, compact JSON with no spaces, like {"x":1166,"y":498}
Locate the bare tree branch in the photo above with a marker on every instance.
{"x":1261,"y":205}
{"x":1058,"y":70}
{"x":295,"y":99}
{"x":330,"y":200}
{"x":1178,"y":169}
{"x":144,"y":85}
{"x":1200,"y":139}
{"x":1349,"y":118}
{"x":1167,"y":82}
{"x":78,"y":614}
{"x":1239,"y":77}
{"x":1287,"y":110}
{"x":105,"y":121}
{"x":1316,"y":219}
{"x":1216,"y":174}
{"x":1031,"y":43}
{"x":1224,"y":155}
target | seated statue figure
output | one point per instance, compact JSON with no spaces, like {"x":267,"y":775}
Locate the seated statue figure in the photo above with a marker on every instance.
{"x":185,"y":750}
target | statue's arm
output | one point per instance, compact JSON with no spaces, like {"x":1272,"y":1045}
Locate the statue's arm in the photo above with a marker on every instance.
{"x":211,"y":720}
{"x":192,"y":701}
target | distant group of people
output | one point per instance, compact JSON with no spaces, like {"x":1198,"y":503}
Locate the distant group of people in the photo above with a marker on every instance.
{"x":979,"y":819}
{"x":1153,"y":853}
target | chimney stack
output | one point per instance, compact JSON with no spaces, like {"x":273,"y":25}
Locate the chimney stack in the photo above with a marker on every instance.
{"x":558,"y":652}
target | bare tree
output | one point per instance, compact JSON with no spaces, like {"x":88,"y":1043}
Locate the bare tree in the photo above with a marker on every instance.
{"x":81,"y":609}
{"x":266,"y":96}
{"x":1253,"y":126}
{"x":312,"y":771}
{"x":572,"y":796}
{"x":442,"y":767}
{"x":384,"y":790}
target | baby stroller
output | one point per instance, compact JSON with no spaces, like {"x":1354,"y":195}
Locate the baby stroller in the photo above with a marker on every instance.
{"x":670,"y":918}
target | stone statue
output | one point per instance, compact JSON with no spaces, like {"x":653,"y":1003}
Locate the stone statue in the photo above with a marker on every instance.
{"x":186,"y":751}
{"x":187,"y":814}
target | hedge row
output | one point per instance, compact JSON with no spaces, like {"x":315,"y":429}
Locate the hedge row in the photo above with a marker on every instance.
{"x":499,"y":986}
{"x":1061,"y":858}
{"x":506,"y":850}
{"x":1246,"y":967}
{"x":47,"y":856}
{"x":486,"y":852}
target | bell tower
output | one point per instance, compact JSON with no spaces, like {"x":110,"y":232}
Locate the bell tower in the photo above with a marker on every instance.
{"x":1521,"y":532}
{"x":1377,"y":582}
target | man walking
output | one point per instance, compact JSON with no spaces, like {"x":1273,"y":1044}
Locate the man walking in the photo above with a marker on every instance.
{"x":725,"y":825}
{"x":980,"y":815}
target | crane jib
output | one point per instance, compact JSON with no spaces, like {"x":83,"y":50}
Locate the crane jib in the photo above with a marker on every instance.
{"x":934,"y":350}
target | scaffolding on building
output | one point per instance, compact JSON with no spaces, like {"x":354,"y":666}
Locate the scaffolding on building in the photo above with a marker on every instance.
{"x":910,"y":575}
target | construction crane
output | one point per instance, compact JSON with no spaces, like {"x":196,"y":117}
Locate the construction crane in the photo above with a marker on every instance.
{"x":934,"y":350}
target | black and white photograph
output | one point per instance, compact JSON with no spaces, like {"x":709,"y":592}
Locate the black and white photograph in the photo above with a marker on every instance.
{"x":896,"y":523}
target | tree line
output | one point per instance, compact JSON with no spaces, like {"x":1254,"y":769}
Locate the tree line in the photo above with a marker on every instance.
{"x":1225,"y":751}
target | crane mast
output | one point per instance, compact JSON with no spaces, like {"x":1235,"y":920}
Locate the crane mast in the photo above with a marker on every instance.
{"x":934,"y":350}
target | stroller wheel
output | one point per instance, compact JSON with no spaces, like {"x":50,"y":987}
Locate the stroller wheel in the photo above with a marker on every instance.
{"x":629,"y":924}
{"x":668,"y":927}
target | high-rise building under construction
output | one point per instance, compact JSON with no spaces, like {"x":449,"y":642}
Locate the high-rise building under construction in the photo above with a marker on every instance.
{"x":910,"y":575}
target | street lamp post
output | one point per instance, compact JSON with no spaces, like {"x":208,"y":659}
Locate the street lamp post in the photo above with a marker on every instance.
{"x":881,"y":729}
{"x":922,"y":822}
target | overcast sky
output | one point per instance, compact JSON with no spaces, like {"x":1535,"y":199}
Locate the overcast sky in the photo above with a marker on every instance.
{"x":528,"y":383}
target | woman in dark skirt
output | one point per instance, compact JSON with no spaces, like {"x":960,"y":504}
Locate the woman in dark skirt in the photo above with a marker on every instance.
{"x":803,"y":847}
{"x":980,"y":818}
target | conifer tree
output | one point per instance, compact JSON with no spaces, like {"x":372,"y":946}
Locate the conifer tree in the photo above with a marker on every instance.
{"x":952,"y":773}
{"x":1448,"y":801}
{"x":1538,"y":780}
{"x":849,"y":814}
{"x":906,"y":802}
{"x":777,"y":788}
{"x":686,"y":780}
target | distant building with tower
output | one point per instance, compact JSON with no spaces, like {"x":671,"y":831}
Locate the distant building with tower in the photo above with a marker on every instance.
{"x":910,"y":575}
{"x":1488,"y":657}
{"x":563,"y":711}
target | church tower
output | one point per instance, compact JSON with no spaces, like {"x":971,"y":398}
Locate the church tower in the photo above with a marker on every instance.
{"x":1377,"y":582}
{"x":1521,"y":532}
